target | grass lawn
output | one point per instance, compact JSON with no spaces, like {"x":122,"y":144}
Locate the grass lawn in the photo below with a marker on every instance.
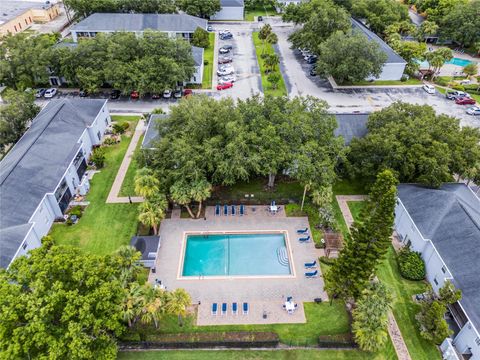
{"x":411,"y":81}
{"x":257,"y":355}
{"x":404,"y":309}
{"x":128,"y":185}
{"x":208,"y":69}
{"x":103,"y":227}
{"x":250,"y":13}
{"x":313,"y":218}
{"x":281,"y":90}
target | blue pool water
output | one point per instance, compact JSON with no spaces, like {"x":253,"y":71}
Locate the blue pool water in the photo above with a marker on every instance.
{"x":235,"y":254}
{"x":454,"y":61}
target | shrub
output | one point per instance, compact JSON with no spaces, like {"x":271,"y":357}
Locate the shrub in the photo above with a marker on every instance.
{"x":77,"y":211}
{"x":336,"y":341}
{"x":69,"y":222}
{"x":205,"y":62}
{"x":110,"y":141}
{"x":327,"y":261}
{"x":410,"y":264}
{"x":120,"y":128}
{"x":98,"y":157}
{"x":458,"y":87}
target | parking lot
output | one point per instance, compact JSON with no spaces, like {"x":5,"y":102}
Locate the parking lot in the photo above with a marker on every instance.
{"x":247,"y":73}
{"x":299,"y":82}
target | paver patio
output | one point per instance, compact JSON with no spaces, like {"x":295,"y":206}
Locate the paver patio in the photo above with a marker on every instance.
{"x":264,"y":294}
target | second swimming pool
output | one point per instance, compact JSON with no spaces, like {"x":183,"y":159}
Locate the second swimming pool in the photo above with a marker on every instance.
{"x":236,"y":255}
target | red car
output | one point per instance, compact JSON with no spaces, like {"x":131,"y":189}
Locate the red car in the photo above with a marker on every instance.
{"x":134,"y":95}
{"x":227,"y":85}
{"x":187,"y":92}
{"x":465,"y":101}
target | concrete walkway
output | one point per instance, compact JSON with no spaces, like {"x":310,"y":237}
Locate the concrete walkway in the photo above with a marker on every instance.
{"x":393,"y":329}
{"x":113,"y":197}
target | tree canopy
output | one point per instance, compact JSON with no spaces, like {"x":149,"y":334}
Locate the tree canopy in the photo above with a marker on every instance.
{"x":380,"y":13}
{"x":416,"y":143}
{"x":350,"y":57}
{"x":200,"y":8}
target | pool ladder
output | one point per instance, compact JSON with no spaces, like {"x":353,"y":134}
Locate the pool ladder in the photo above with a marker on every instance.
{"x":282,"y":256}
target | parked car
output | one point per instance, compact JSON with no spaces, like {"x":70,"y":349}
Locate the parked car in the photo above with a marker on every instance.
{"x":83,"y":93}
{"x":226,"y":37}
{"x":50,"y":93}
{"x":225,"y":60}
{"x":115,"y":94}
{"x":311,"y":59}
{"x":224,"y":86}
{"x":229,"y":78}
{"x":260,"y":18}
{"x":474,"y":110}
{"x":465,"y":101}
{"x":465,"y":82}
{"x":209,"y":28}
{"x":134,"y":95}
{"x":429,"y":88}
{"x":223,"y":51}
{"x":177,"y":94}
{"x":454,"y":94}
{"x":225,"y":72}
{"x":40,"y":93}
{"x":155,"y":96}
{"x":187,"y":92}
{"x":224,"y":31}
{"x":313,"y":71}
{"x":228,"y":47}
{"x":225,"y":66}
{"x":167,"y":94}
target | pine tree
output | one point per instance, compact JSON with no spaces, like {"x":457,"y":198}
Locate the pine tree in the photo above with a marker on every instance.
{"x":367,"y":243}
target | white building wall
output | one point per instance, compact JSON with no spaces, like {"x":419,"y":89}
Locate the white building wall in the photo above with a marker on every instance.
{"x":468,"y":340}
{"x":229,"y":13}
{"x":197,"y":77}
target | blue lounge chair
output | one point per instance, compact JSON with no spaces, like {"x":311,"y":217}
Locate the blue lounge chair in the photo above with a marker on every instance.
{"x":304,"y":239}
{"x":311,"y":265}
{"x":225,"y":210}
{"x":302,"y":231}
{"x":272,"y":203}
{"x":245,"y":308}
{"x":214,"y":309}
{"x":234,"y":308}
{"x":242,"y":210}
{"x":217,"y":210}
{"x":310,"y":275}
{"x":234,"y":210}
{"x":224,"y":309}
{"x":289,"y":298}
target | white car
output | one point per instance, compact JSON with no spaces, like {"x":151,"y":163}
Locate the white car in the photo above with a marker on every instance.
{"x":225,"y":72}
{"x":50,"y":93}
{"x":228,"y":78}
{"x":429,"y":88}
{"x":167,"y":94}
{"x":225,"y":67}
{"x":474,"y":110}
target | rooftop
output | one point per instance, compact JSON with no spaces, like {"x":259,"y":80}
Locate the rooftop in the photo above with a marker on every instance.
{"x":392,"y":56}
{"x":37,"y":163}
{"x":10,"y":9}
{"x":151,"y":134}
{"x":197,"y":53}
{"x":351,"y":125}
{"x":231,"y":3}
{"x":146,"y":245}
{"x":450,"y":218}
{"x":140,"y":22}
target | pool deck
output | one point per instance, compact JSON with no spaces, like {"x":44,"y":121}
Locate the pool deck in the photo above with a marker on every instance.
{"x":265,"y":295}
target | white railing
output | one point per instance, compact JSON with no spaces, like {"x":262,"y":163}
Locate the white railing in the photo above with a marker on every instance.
{"x":448,"y":350}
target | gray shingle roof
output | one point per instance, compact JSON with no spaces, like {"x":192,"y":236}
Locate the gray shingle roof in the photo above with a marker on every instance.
{"x":197,"y":53}
{"x":351,"y":125}
{"x":140,"y":22}
{"x":145,"y":245}
{"x":450,"y":218}
{"x":151,"y":134}
{"x":392,"y":56}
{"x":38,"y":161}
{"x":232,"y":3}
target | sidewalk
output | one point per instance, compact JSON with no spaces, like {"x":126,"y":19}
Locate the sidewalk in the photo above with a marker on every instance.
{"x":122,"y":171}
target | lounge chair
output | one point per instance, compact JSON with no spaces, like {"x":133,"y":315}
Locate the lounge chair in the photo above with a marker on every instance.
{"x":302,"y":231}
{"x":225,"y":210}
{"x":289,"y":298}
{"x":304,"y":239}
{"x":272,"y":203}
{"x":234,"y":308}
{"x":234,"y":210}
{"x":311,"y":265}
{"x":214,"y":309}
{"x":217,"y":210}
{"x":245,"y":308}
{"x":310,"y":275}
{"x":224,"y":309}
{"x":242,"y":210}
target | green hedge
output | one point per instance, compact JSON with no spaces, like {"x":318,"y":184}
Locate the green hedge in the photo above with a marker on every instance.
{"x":336,"y":341}
{"x":411,"y":264}
{"x":234,"y":339}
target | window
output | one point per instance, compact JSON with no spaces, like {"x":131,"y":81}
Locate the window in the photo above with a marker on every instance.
{"x":15,"y":27}
{"x":29,"y":18}
{"x":26,"y":22}
{"x":99,"y":135}
{"x":477,"y":341}
{"x":106,"y":121}
{"x":444,"y":270}
{"x":435,"y":281}
{"x":24,"y":246}
{"x":19,"y":25}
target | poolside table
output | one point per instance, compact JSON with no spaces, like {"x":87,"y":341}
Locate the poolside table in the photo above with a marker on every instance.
{"x":290,"y":307}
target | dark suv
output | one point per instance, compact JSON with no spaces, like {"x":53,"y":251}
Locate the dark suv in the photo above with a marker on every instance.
{"x":115,"y":94}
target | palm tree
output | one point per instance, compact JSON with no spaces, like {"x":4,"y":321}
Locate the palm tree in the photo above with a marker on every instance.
{"x":177,"y":303}
{"x":146,"y":184}
{"x":180,"y":193}
{"x":272,"y":38}
{"x":200,"y":192}
{"x":272,"y":61}
{"x":132,"y":303}
{"x":428,"y":28}
{"x":128,"y":258}
{"x":153,"y":305}
{"x":151,"y":215}
{"x":265,"y":31}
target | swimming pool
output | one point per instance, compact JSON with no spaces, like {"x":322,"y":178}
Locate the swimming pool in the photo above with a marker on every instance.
{"x":259,"y":254}
{"x":459,"y":62}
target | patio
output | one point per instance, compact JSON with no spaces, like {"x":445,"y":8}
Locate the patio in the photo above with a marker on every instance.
{"x":265,"y":295}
